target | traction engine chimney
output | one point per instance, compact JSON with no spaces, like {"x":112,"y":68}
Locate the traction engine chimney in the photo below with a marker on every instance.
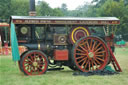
{"x":32,"y":11}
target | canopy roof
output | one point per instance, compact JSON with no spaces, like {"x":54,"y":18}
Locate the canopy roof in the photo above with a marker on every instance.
{"x":65,"y":20}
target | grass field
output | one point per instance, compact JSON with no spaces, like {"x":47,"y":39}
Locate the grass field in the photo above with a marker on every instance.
{"x":10,"y":74}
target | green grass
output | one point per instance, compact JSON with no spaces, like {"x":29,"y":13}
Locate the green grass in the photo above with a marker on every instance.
{"x":10,"y":74}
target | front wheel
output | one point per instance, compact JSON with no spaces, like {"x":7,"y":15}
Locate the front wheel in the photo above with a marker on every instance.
{"x":34,"y":63}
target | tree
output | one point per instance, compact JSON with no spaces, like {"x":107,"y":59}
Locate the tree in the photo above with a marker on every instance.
{"x":57,"y":12}
{"x":20,"y":7}
{"x":64,"y":9}
{"x":5,"y":6}
{"x":13,"y":7}
{"x":44,"y":9}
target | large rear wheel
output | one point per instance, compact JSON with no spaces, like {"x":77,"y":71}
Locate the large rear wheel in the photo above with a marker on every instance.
{"x":34,"y":63}
{"x":90,"y":53}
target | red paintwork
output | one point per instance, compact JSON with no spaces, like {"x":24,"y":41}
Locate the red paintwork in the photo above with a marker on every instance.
{"x":61,"y":54}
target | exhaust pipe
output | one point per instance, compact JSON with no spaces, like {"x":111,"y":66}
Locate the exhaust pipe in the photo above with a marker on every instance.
{"x":32,"y":11}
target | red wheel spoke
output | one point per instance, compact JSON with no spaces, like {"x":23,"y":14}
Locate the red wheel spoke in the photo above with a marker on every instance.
{"x":100,"y":59}
{"x":80,"y":57}
{"x":34,"y":54}
{"x":97,"y":61}
{"x":83,"y":43}
{"x":98,"y":49}
{"x":34,"y":69}
{"x":40,"y":68}
{"x":86,"y":64}
{"x":93,"y":45}
{"x":42,"y":65}
{"x":96,"y":64}
{"x":32,"y":58}
{"x":92,"y":65}
{"x":27,"y":62}
{"x":89,"y":66}
{"x":83,"y":48}
{"x":31,"y":71}
{"x":88,"y":45}
{"x":99,"y":55}
{"x":100,"y":52}
{"x":82,"y":60}
{"x":97,"y":46}
{"x":79,"y":50}
{"x":81,"y":54}
{"x":27,"y":67}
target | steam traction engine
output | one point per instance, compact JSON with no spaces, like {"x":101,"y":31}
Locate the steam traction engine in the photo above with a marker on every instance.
{"x":79,"y":43}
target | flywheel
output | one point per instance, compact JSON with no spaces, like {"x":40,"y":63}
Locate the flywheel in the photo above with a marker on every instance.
{"x":78,"y":32}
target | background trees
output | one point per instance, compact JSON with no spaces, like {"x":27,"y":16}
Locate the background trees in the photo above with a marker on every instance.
{"x":98,"y":8}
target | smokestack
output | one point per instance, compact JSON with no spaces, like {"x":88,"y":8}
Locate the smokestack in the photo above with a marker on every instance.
{"x":32,"y":11}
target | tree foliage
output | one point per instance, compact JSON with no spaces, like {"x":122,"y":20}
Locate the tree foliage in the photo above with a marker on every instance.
{"x":21,"y":8}
{"x":45,"y":10}
{"x":98,"y":8}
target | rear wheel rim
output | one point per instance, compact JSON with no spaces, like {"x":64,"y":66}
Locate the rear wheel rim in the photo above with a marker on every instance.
{"x":90,"y":54}
{"x":35,"y":63}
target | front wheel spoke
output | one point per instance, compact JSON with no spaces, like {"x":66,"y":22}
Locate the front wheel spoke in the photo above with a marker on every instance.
{"x":32,"y":58}
{"x":28,"y":62}
{"x":27,"y":67}
{"x":40,"y":68}
{"x":42,"y":65}
{"x":31,"y":69}
{"x":34,"y":69}
{"x":29,"y":59}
